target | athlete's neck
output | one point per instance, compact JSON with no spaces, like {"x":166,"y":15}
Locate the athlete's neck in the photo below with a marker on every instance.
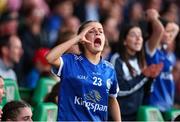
{"x":93,"y":58}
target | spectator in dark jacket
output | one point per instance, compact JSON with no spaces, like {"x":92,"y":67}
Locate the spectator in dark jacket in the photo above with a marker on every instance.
{"x":132,"y":71}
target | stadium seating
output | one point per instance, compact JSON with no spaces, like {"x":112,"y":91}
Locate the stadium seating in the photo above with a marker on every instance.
{"x":171,"y":114}
{"x":45,"y":112}
{"x":148,"y":113}
{"x":26,"y":94}
{"x":44,"y":86}
{"x":11,"y":91}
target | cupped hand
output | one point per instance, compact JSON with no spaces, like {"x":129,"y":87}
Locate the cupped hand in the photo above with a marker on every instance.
{"x":82,"y":36}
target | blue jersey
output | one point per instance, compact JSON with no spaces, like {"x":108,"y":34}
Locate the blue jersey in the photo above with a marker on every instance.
{"x":163,"y":88}
{"x":85,"y":88}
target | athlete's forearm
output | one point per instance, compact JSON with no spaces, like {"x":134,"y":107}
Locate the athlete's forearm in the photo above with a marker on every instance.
{"x":57,"y":51}
{"x":114,"y":109}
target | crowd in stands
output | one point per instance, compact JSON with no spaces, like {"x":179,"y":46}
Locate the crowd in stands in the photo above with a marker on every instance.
{"x":142,"y":42}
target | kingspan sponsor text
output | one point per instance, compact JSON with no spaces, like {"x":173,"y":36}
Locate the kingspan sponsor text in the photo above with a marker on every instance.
{"x":89,"y":105}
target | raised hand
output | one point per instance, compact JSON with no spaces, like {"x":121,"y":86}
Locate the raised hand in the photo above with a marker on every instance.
{"x":174,"y":30}
{"x":152,"y":14}
{"x":82,"y":36}
{"x":153,"y":70}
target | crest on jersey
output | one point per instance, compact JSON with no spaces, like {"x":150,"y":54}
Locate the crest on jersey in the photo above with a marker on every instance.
{"x":93,"y":96}
{"x":108,"y":83}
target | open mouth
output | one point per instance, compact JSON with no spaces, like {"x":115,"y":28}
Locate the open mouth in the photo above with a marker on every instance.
{"x":137,"y":44}
{"x":97,"y":42}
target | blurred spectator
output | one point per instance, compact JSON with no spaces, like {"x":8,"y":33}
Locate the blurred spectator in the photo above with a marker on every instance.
{"x":170,"y":11}
{"x":8,"y":23}
{"x":104,"y":7}
{"x":26,"y":4}
{"x":60,"y":10}
{"x":33,"y":37}
{"x":132,"y":72}
{"x":17,"y":111}
{"x":116,"y":11}
{"x":70,"y":24}
{"x":176,"y":75}
{"x":168,"y":41}
{"x":53,"y":95}
{"x":10,"y":54}
{"x":111,"y":31}
{"x":134,"y":13}
{"x":32,"y":31}
{"x":1,"y":93}
{"x":41,"y":68}
{"x":158,"y":51}
{"x":14,"y":5}
{"x":87,"y":10}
